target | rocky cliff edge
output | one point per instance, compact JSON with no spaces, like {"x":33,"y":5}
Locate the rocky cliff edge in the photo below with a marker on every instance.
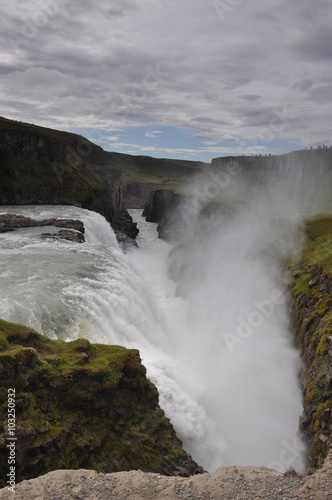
{"x":80,"y":405}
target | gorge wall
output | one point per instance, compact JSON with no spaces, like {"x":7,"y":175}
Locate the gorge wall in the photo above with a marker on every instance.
{"x":309,"y":280}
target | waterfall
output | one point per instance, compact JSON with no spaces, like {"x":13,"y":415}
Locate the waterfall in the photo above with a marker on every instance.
{"x":68,"y":290}
{"x":230,"y":342}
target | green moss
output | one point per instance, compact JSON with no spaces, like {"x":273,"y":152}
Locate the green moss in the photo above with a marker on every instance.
{"x":314,"y":393}
{"x":4,"y":344}
{"x":323,"y":346}
{"x":300,"y":285}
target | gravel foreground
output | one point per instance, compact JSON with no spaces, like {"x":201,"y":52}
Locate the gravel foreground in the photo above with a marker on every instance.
{"x":226,"y":483}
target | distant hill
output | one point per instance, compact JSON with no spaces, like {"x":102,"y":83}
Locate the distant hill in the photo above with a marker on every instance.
{"x":39,"y":165}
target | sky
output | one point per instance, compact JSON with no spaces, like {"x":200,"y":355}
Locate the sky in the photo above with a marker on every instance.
{"x":190,"y":79}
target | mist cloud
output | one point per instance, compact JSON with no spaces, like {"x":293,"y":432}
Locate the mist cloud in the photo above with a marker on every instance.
{"x":238,"y":341}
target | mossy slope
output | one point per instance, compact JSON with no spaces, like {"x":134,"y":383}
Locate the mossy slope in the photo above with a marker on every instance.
{"x":82,"y":405}
{"x":310,"y":282}
{"x":44,"y":166}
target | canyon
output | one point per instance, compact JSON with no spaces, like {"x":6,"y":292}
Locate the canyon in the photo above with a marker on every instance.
{"x":192,"y":202}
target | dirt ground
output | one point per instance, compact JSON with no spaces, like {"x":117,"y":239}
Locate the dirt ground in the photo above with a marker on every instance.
{"x":226,"y":483}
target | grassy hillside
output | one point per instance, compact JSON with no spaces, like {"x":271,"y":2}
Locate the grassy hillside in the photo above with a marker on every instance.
{"x":38,"y":162}
{"x":143,"y":169}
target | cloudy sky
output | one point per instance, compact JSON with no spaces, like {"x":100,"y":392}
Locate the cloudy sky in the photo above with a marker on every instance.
{"x":180,"y":79}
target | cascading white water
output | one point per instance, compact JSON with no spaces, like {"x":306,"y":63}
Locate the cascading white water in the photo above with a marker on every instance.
{"x":232,"y":344}
{"x":68,"y":290}
{"x":228,"y":407}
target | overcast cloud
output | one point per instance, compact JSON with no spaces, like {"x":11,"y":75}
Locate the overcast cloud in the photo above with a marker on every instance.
{"x":237,"y":76}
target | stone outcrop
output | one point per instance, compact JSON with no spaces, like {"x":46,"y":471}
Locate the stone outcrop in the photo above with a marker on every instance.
{"x":79,"y":405}
{"x":74,"y":229}
{"x":10,"y":222}
{"x":65,"y":234}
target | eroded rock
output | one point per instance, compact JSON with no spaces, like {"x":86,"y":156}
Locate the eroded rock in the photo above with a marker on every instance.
{"x":74,"y":229}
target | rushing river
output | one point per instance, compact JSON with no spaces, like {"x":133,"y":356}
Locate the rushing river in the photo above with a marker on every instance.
{"x":229,"y":403}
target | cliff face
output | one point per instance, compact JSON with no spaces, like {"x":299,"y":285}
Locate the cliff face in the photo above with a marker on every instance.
{"x":164,"y":206}
{"x":136,"y":194}
{"x":161,"y":203}
{"x":308,"y":171}
{"x":305,"y":159}
{"x":310,"y":284}
{"x":79,"y":405}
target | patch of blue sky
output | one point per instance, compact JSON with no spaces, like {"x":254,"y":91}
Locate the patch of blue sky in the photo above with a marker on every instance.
{"x":162,"y":141}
